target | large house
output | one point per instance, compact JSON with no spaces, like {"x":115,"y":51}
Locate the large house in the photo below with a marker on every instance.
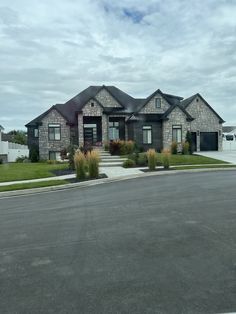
{"x":102,"y":113}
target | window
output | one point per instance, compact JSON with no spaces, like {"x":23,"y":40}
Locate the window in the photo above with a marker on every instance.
{"x":54,"y":132}
{"x":147,"y":134}
{"x":177,"y":133}
{"x":54,"y":155}
{"x":36,"y":132}
{"x":92,"y":104}
{"x":114,"y":133}
{"x":158,"y":102}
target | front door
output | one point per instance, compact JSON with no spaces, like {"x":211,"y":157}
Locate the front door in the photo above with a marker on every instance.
{"x":88,"y":137}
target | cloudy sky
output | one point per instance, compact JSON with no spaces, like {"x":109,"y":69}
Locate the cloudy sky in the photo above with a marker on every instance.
{"x":50,"y":50}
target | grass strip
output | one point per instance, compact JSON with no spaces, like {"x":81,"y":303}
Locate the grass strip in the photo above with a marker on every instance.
{"x":28,"y":171}
{"x":31,"y":185}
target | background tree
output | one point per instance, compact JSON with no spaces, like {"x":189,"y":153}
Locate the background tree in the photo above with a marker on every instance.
{"x":17,"y":136}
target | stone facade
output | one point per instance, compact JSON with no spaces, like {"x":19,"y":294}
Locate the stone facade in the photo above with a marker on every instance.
{"x":150,"y":107}
{"x":106,"y":99}
{"x":176,"y":117}
{"x":204,"y":120}
{"x":46,"y":145}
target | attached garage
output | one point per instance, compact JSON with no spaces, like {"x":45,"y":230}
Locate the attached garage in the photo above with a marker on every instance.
{"x":208,"y":141}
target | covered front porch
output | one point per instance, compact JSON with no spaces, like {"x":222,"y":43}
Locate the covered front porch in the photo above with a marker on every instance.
{"x":97,"y":130}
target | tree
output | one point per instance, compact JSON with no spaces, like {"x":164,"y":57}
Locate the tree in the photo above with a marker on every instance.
{"x":18,"y":136}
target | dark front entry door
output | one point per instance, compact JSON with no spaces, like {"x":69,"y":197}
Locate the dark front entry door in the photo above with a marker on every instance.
{"x":88,"y":136}
{"x":194,"y":142}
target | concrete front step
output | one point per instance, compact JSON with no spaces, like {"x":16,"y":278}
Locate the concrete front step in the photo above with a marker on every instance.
{"x":112,"y":157}
{"x":112,"y":160}
{"x":110,"y":164}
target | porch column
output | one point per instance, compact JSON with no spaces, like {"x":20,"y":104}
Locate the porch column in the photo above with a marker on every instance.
{"x":81,"y":129}
{"x":104,"y":129}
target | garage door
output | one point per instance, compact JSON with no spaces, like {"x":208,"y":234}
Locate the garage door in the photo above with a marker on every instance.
{"x":208,"y":141}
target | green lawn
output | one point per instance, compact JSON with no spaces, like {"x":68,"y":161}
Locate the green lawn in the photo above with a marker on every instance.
{"x":31,"y":185}
{"x":24,"y":171}
{"x":192,"y":160}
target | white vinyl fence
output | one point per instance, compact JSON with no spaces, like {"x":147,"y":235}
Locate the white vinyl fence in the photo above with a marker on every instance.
{"x":13,"y":150}
{"x":229,"y":145}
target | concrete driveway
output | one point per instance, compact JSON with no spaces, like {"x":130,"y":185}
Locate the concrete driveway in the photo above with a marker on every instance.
{"x":163,"y":244}
{"x":228,"y":156}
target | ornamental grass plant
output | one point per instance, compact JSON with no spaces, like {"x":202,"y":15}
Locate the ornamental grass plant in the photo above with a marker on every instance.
{"x":93,"y":159}
{"x":152,"y":159}
{"x":165,"y":158}
{"x":80,"y":165}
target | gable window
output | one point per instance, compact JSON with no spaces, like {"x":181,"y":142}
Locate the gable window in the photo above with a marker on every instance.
{"x":36,"y":132}
{"x":158,"y":102}
{"x":54,"y":155}
{"x":114,"y":133}
{"x":177,"y":133}
{"x":54,"y":132}
{"x":147,"y":134}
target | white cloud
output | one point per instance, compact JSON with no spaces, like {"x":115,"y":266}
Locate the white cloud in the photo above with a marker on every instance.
{"x":51,"y":50}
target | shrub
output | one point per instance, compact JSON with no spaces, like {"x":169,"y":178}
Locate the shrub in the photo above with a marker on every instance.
{"x":21,"y":159}
{"x":63,"y":154}
{"x":34,"y":153}
{"x":152,"y":159}
{"x":80,"y":164}
{"x":1,"y":161}
{"x":128,"y":163}
{"x":115,"y":147}
{"x":142,"y":159}
{"x":165,"y":157}
{"x":93,"y":163}
{"x":185,"y":148}
{"x":188,"y":139}
{"x":130,"y":147}
{"x":174,"y":148}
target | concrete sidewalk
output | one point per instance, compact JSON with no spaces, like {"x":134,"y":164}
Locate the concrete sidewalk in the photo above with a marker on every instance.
{"x":111,"y":172}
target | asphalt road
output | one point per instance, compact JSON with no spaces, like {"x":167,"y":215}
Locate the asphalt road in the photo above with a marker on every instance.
{"x":163,"y":244}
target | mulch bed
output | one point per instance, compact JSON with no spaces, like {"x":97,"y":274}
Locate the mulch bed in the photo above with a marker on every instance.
{"x":74,"y":180}
{"x":157,"y":169}
{"x":63,"y":172}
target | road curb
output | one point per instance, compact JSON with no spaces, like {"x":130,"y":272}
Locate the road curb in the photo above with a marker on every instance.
{"x":106,"y":180}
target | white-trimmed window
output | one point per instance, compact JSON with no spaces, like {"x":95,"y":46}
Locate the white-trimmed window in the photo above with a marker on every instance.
{"x":157,"y":102}
{"x":54,"y":132}
{"x":114,"y":133}
{"x":147,"y":134}
{"x":36,"y":132}
{"x":177,"y":133}
{"x":54,"y":155}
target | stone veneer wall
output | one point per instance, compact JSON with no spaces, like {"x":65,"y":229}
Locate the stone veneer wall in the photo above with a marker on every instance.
{"x":176,"y":117}
{"x":106,"y":99}
{"x":151,"y":108}
{"x":205,"y":120}
{"x":92,"y":111}
{"x":45,"y":145}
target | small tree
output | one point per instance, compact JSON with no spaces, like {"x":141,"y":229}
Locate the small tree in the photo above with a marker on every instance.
{"x":188,"y":139}
{"x":71,"y":152}
{"x":34,"y":153}
{"x":152,"y":159}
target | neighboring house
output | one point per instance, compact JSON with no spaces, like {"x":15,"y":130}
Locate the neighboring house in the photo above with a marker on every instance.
{"x":229,"y":130}
{"x":9,"y":152}
{"x":102,"y":113}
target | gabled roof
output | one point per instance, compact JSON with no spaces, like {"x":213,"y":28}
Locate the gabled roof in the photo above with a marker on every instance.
{"x":170,"y":109}
{"x":171,"y":99}
{"x":58,"y":107}
{"x":228,"y":129}
{"x":188,"y":101}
